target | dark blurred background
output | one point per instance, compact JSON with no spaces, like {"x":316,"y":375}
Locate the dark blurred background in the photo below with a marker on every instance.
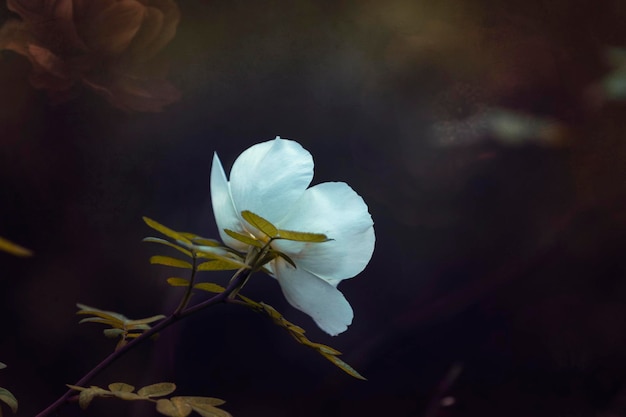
{"x":486,"y":137}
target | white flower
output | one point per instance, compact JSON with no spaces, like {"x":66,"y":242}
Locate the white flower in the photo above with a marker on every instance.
{"x":270,"y":179}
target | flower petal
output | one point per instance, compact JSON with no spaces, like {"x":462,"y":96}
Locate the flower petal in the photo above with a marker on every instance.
{"x":225,"y":214}
{"x":268,"y":178}
{"x":323,"y":302}
{"x":108,"y":27}
{"x":335,"y":209}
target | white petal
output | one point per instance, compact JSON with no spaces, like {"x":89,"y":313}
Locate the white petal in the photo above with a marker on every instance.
{"x":223,"y":208}
{"x":335,"y":209}
{"x":268,"y":178}
{"x":315,"y":297}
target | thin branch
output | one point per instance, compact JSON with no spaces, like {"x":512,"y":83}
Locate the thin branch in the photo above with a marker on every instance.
{"x":241,"y":276}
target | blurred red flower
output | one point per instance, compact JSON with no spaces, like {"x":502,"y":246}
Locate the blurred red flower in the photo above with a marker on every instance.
{"x":109,"y":46}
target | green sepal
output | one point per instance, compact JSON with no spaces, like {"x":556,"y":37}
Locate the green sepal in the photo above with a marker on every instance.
{"x":166,"y":231}
{"x":285,"y":257}
{"x":260,"y":223}
{"x":169,"y":261}
{"x":248,"y":240}
{"x":302,"y":236}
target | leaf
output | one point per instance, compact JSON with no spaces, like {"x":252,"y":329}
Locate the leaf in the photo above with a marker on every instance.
{"x":205,"y":406}
{"x":107,"y":315}
{"x":2,"y":365}
{"x":8,"y":398}
{"x":248,"y":240}
{"x":178,"y":282}
{"x":172,"y":408}
{"x":210,"y":287}
{"x":218,"y":265}
{"x":147,"y":320}
{"x":167,"y":243}
{"x":13,"y":248}
{"x":169,"y":261}
{"x":325,"y":349}
{"x":201,"y":401}
{"x":228,"y":257}
{"x":302,"y":236}
{"x":250,"y":302}
{"x":199,"y":240}
{"x":113,"y":332}
{"x":121,"y":387}
{"x":157,"y":390}
{"x":113,"y":323}
{"x":166,"y":230}
{"x":260,"y":223}
{"x":85,"y":397}
{"x":343,"y":366}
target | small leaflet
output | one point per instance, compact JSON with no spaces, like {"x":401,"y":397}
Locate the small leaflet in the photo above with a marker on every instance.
{"x":260,"y":223}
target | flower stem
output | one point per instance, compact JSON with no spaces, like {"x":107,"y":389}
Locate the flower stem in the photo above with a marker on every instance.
{"x":187,"y":296}
{"x":241,"y":276}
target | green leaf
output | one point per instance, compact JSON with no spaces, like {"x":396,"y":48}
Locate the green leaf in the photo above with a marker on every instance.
{"x":260,"y":223}
{"x":157,"y":390}
{"x":166,"y":230}
{"x":113,"y":332}
{"x":147,"y":320}
{"x":343,"y":366}
{"x":2,"y":365}
{"x":85,"y":397}
{"x":210,"y":287}
{"x":107,"y":315}
{"x":178,"y":282}
{"x":201,"y":401}
{"x":173,"y":407}
{"x":205,"y":406}
{"x":218,"y":265}
{"x":13,"y":248}
{"x":201,"y":241}
{"x":168,"y":261}
{"x":167,"y":243}
{"x":113,"y":323}
{"x":248,"y":240}
{"x":128,"y":396}
{"x":121,"y":387}
{"x":302,"y":236}
{"x":251,"y":303}
{"x":8,"y":398}
{"x":325,"y":349}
